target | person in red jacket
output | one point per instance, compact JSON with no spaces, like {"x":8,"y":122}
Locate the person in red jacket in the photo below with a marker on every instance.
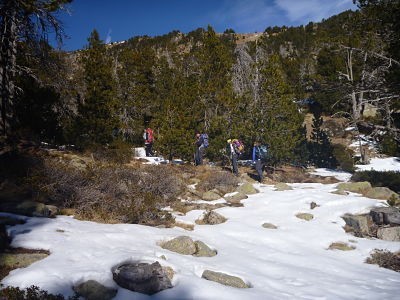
{"x":148,"y":137}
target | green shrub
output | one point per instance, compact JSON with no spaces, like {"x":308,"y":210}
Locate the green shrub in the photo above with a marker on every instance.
{"x":344,"y":157}
{"x":30,"y":293}
{"x":389,"y":146}
{"x":390,"y":179}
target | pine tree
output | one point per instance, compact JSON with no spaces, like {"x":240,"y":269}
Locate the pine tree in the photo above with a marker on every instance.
{"x":274,"y":118}
{"x":31,"y":22}
{"x":98,"y":119}
{"x":320,"y":148}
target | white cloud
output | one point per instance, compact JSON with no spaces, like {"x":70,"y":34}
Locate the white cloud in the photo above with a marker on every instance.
{"x":108,"y":38}
{"x":303,"y":11}
{"x":256,"y":15}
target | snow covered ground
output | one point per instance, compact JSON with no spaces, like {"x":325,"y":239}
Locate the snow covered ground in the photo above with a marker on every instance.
{"x":381,"y":164}
{"x":290,"y":262}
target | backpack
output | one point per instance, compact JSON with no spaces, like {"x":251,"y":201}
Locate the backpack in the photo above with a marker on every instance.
{"x":150,"y":135}
{"x":204,"y":136}
{"x":263,"y":151}
{"x":238,"y":146}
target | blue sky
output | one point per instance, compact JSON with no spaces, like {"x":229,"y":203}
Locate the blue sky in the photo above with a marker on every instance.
{"x":118,"y":20}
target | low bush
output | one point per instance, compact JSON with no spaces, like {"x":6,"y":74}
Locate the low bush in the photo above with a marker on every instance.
{"x":110,"y":193}
{"x":390,"y":179}
{"x":344,"y":157}
{"x":117,"y":152}
{"x":30,"y":293}
{"x":385,"y":259}
{"x":389,"y":146}
{"x":223,"y":181}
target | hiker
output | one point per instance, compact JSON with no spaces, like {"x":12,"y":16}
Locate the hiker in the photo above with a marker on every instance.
{"x":258,"y":160}
{"x":234,"y":149}
{"x":148,"y":137}
{"x":201,"y":144}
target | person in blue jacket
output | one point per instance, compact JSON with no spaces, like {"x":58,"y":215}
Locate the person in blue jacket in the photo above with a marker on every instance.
{"x":258,"y":160}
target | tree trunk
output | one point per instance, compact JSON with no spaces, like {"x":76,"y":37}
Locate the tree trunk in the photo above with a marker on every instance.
{"x":8,"y":64}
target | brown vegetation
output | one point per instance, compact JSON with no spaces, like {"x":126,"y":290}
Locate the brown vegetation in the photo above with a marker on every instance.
{"x":385,"y":259}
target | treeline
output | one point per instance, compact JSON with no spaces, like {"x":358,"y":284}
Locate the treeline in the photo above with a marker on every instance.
{"x":104,"y":95}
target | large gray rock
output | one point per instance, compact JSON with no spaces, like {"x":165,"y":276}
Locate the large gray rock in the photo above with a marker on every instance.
{"x":389,"y":233}
{"x":359,"y":223}
{"x":224,"y":279}
{"x":93,"y":290}
{"x":385,"y":215}
{"x":382,"y":193}
{"x":247,"y":189}
{"x":181,"y":244}
{"x":281,"y":186}
{"x":355,"y":187}
{"x":211,"y":218}
{"x":211,"y":196}
{"x":142,"y":277}
{"x":202,"y":250}
{"x":235,"y":198}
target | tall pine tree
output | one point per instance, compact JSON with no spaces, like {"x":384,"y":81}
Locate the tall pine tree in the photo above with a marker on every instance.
{"x":98,"y":120}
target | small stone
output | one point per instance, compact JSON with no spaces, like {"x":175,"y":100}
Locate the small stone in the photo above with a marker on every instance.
{"x":341,"y":246}
{"x":389,"y":233}
{"x":313,"y":205}
{"x":203,"y":250}
{"x":247,"y":189}
{"x":305,"y":216}
{"x":211,"y":218}
{"x":224,"y":279}
{"x":235,"y":198}
{"x":210,"y":196}
{"x":182,"y":245}
{"x":269,"y":226}
{"x":281,"y":186}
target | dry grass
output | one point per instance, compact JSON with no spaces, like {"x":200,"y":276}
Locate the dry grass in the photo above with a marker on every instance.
{"x":385,"y":259}
{"x":224,"y":181}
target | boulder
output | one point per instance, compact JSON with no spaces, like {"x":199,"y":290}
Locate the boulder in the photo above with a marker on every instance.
{"x":143,"y":278}
{"x":281,"y":186}
{"x":355,"y":187}
{"x":224,"y":279}
{"x":247,"y":189}
{"x":211,"y":218}
{"x":181,"y":244}
{"x":359,"y":223}
{"x":385,"y":215}
{"x":305,"y":216}
{"x":382,"y":193}
{"x":202,"y":250}
{"x":93,"y":290}
{"x":389,"y":233}
{"x":30,"y":208}
{"x":269,"y":226}
{"x":235,"y":198}
{"x":210,"y":196}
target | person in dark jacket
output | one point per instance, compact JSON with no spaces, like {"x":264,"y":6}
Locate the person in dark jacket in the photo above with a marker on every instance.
{"x":198,"y":155}
{"x":258,"y":160}
{"x":233,"y":154}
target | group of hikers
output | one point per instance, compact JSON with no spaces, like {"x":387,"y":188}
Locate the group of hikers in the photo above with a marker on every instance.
{"x":234,"y":149}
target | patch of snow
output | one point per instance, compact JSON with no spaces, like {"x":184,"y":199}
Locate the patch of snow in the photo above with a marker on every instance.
{"x":190,"y":216}
{"x":291,"y":262}
{"x":381,"y":164}
{"x":209,"y":202}
{"x":231,"y":194}
{"x":340,"y":175}
{"x":351,"y":128}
